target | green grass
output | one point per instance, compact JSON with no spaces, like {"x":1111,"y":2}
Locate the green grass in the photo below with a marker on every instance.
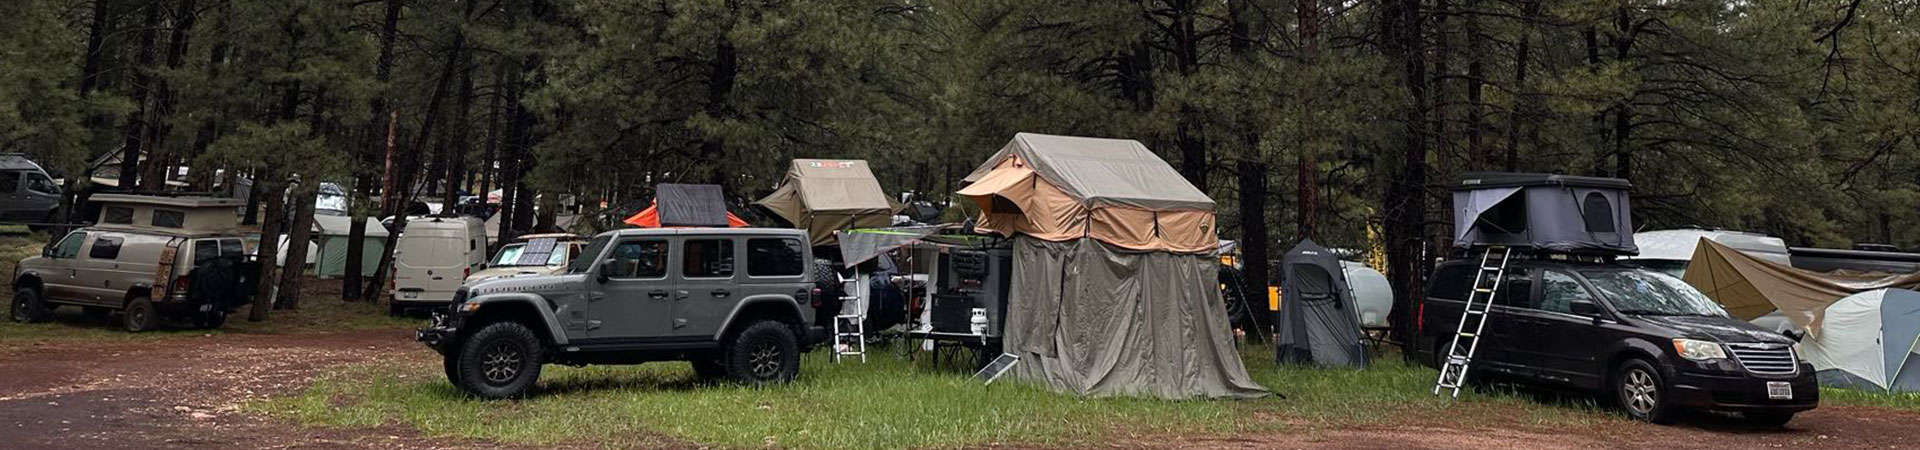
{"x":886,"y":402}
{"x":1907,"y":401}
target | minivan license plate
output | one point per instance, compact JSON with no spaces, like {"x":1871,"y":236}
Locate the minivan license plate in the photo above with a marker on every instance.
{"x":1779,"y":390}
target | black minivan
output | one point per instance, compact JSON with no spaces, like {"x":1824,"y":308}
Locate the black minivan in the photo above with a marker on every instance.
{"x":1640,"y":337}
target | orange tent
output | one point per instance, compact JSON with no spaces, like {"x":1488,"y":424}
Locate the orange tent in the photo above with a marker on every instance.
{"x":650,"y":218}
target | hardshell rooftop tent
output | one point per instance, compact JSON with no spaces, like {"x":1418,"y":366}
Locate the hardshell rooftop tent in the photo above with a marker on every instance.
{"x":1869,"y":343}
{"x":1317,"y":324}
{"x":1113,"y":290}
{"x":823,"y":195}
{"x":1749,"y":287}
{"x":1557,"y":213}
{"x":687,"y":205}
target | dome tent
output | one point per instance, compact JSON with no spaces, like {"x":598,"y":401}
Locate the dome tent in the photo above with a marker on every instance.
{"x":1113,"y":289}
{"x":1868,"y":342}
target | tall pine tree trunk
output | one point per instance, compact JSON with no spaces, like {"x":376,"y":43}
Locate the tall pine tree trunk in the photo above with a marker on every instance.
{"x":1405,"y":200}
{"x":419,"y":144}
{"x":137,"y":121}
{"x":159,"y":164}
{"x":299,"y":235}
{"x":378,"y":126}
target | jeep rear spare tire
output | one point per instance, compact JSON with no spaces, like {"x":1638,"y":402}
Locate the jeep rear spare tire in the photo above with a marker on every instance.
{"x":502,"y":360}
{"x":765,"y":352}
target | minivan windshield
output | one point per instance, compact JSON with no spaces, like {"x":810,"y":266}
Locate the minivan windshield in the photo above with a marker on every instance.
{"x":1649,"y":293}
{"x":584,"y":260}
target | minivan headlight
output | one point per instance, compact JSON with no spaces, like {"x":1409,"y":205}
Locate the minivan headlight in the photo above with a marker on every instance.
{"x":1698,"y":350}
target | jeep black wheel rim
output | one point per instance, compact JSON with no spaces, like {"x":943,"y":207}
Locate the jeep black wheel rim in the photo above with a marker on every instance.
{"x":1641,"y":395}
{"x":765,"y":361}
{"x":501,"y":363}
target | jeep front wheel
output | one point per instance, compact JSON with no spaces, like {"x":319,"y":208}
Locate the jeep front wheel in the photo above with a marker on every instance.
{"x":502,"y":360}
{"x":766,"y":352}
{"x":28,"y":307}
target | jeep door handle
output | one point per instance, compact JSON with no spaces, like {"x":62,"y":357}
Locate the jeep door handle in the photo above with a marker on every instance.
{"x":722,"y":293}
{"x":657,"y":294}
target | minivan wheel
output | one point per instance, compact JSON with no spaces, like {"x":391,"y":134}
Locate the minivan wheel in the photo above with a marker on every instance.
{"x":502,"y":360}
{"x":28,"y":307}
{"x":140,"y":315}
{"x":766,"y":352}
{"x":1768,"y":419}
{"x":1642,"y":392}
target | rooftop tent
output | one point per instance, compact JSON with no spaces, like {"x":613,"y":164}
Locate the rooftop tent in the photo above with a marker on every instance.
{"x":1559,"y":213}
{"x":823,"y":195}
{"x":1317,"y":320}
{"x":1113,"y":288}
{"x":1749,"y":287}
{"x":686,"y":205}
{"x":1869,"y":343}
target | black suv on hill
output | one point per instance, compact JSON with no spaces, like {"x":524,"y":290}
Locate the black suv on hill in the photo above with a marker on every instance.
{"x":1650,"y":340}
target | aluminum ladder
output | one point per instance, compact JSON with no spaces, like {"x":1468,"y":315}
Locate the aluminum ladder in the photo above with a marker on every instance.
{"x":1473,"y":319}
{"x":849,"y":327}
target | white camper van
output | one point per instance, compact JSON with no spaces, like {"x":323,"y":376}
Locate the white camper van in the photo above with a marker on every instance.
{"x":432,"y":257}
{"x":1670,"y":250}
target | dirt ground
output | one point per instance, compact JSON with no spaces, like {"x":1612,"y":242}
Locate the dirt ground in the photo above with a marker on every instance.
{"x":186,"y":392}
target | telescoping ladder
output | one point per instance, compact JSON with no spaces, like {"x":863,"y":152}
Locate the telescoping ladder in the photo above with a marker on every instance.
{"x":1473,"y":320}
{"x":850,"y":330}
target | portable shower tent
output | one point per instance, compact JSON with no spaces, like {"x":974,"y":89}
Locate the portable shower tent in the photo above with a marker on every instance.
{"x":1557,"y":213}
{"x":1869,"y":342}
{"x":1114,"y":286}
{"x":823,"y":195}
{"x":332,"y":234}
{"x":1317,"y":323}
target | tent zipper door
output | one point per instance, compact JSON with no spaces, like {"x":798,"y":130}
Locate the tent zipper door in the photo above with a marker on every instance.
{"x":1473,"y":319}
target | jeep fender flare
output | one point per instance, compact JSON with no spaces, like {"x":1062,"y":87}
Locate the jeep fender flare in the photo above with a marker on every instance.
{"x":548,"y":316}
{"x":786,"y":303}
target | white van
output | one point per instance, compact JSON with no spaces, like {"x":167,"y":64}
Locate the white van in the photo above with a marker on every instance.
{"x":1669,"y":250}
{"x":433,"y":256}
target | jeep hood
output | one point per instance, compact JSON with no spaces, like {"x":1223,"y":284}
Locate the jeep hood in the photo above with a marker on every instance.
{"x":1721,"y":329}
{"x":513,"y":271}
{"x":526,"y":283}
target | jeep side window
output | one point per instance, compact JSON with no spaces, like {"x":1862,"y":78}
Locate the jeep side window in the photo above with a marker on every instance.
{"x":70,"y":247}
{"x":639,"y":259}
{"x":105,"y":247}
{"x":708,"y":258}
{"x":1559,"y":291}
{"x":9,"y":181}
{"x":774,"y":257}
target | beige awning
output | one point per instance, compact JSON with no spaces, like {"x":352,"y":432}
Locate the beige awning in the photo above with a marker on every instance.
{"x":1750,"y":287}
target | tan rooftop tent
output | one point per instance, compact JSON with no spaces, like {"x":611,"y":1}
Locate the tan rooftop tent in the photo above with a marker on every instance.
{"x":1114,"y":287}
{"x":1749,"y":287}
{"x":1059,"y":188}
{"x":823,"y":195}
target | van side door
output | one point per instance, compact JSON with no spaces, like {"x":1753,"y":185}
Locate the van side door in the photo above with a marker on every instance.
{"x":39,"y":196}
{"x":705,"y":290}
{"x":101,"y":279}
{"x":1506,"y":337}
{"x":13,"y":198}
{"x":1566,"y":346}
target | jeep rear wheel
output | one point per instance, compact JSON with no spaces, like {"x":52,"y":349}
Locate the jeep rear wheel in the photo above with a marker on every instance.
{"x":766,"y":352}
{"x":140,"y":315}
{"x":28,"y":307}
{"x":502,"y":360}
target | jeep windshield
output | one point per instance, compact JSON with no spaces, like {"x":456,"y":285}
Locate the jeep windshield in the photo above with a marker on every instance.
{"x":1649,"y":293}
{"x":584,"y":260}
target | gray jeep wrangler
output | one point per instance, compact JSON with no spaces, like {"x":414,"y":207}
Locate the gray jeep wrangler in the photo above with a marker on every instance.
{"x":635,"y":296}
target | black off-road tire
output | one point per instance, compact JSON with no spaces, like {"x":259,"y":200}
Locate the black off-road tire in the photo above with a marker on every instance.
{"x":1642,"y":392}
{"x":708,"y":370}
{"x":764,"y":353}
{"x":28,"y":307}
{"x":140,"y":316}
{"x":502,"y":360}
{"x":1768,"y":419}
